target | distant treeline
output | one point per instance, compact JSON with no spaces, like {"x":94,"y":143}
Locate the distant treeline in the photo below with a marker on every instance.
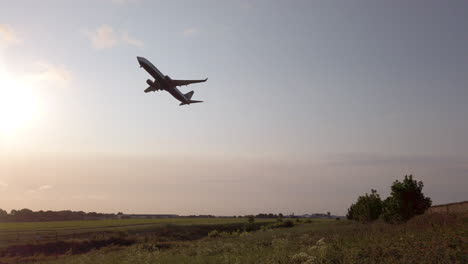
{"x":27,"y":215}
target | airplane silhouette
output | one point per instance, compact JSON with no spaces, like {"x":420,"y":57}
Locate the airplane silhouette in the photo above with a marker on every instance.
{"x":165,"y":83}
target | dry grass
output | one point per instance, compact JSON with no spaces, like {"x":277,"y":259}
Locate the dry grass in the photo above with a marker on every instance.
{"x":431,"y":238}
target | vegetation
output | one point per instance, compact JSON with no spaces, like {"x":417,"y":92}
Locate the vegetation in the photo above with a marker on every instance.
{"x":26,"y":232}
{"x":367,"y":208}
{"x":428,"y":238}
{"x":27,"y":215}
{"x":406,"y":236}
{"x":405,"y":201}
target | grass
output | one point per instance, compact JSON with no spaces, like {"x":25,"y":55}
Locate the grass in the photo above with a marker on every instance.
{"x":88,"y":224}
{"x":431,"y":238}
{"x":17,"y":233}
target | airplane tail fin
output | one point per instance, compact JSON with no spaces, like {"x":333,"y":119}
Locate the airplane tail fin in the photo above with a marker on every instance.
{"x":189,"y":95}
{"x":189,"y":98}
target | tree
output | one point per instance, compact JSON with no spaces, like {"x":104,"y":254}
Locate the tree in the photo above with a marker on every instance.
{"x":367,"y":208}
{"x":406,"y":200}
{"x":280,"y":218}
{"x":250,"y":225}
{"x":3,"y":215}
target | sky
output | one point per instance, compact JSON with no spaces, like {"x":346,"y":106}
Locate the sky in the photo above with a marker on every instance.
{"x":308,"y":105}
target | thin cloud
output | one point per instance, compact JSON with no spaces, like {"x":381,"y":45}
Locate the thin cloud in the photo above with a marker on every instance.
{"x":8,"y":36}
{"x":3,"y":186}
{"x":105,"y":37}
{"x":190,"y":32}
{"x":46,"y":72}
{"x":131,"y":41}
{"x":44,"y":187}
{"x":40,"y":189}
{"x":41,"y":71}
{"x":54,"y":73}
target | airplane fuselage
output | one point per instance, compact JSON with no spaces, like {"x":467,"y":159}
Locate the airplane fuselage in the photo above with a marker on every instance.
{"x":161,"y":82}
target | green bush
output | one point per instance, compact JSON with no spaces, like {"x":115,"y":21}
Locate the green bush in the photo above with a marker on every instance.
{"x":224,"y":234}
{"x":405,"y":201}
{"x":286,"y":223}
{"x":367,"y":208}
{"x":250,"y":225}
{"x":213,"y":234}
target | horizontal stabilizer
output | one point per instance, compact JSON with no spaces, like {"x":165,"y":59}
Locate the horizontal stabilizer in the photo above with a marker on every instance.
{"x":191,"y":102}
{"x":186,"y":82}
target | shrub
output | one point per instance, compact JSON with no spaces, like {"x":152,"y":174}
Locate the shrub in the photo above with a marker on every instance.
{"x":250,"y":225}
{"x":367,"y":208}
{"x":286,"y":223}
{"x":224,"y":234}
{"x":213,"y":233}
{"x":406,"y":200}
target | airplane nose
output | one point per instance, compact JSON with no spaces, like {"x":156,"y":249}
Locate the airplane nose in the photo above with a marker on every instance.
{"x":140,"y":61}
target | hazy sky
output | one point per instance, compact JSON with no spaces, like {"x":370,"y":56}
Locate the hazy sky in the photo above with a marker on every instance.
{"x":308,"y":104}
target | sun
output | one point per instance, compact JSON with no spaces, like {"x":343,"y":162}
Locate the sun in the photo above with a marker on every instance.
{"x":18,"y":105}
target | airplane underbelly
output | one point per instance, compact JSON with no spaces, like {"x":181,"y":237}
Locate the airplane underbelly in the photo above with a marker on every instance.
{"x":179,"y":96}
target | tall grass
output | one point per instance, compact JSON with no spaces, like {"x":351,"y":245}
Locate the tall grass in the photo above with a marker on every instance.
{"x":430,"y":238}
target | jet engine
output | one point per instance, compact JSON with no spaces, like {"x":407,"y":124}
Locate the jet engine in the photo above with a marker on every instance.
{"x":155,"y":86}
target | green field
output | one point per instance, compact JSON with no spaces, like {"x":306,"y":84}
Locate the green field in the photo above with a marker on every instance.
{"x":425,"y":239}
{"x":113,"y":223}
{"x":17,"y":233}
{"x":429,"y":238}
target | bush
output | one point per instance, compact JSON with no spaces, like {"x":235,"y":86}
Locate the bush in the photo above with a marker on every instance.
{"x":250,"y":225}
{"x":286,"y":223}
{"x":213,"y":234}
{"x":224,"y":234}
{"x":367,"y":208}
{"x":406,"y":200}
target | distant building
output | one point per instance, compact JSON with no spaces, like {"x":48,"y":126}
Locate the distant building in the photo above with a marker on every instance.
{"x":320,"y":216}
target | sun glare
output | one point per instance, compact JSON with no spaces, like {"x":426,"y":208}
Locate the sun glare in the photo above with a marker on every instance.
{"x":18,"y":105}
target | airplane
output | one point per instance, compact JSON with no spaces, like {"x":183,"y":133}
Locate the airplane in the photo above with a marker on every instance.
{"x":165,"y":83}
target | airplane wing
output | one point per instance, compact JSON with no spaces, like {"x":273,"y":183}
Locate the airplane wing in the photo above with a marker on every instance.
{"x":186,"y":82}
